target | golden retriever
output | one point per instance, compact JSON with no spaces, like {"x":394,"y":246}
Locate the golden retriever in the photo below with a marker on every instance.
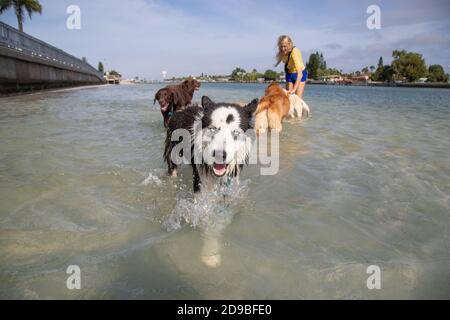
{"x":275,"y":106}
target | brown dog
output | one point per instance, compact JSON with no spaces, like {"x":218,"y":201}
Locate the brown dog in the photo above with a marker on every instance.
{"x":272,"y":109}
{"x":175,"y":97}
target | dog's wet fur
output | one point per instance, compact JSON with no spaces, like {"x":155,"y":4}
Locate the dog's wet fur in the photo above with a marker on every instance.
{"x":275,"y":106}
{"x":220,"y":141}
{"x":174,"y":98}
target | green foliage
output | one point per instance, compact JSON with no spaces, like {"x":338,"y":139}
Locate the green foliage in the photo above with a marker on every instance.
{"x":20,"y":7}
{"x":328,"y":72}
{"x":100,"y":67}
{"x":238,"y":74}
{"x":317,"y":67}
{"x":376,"y":75}
{"x":253,"y":76}
{"x":410,"y":65}
{"x":380,"y":62}
{"x":270,"y":75}
{"x":114,"y":73}
{"x":323,"y":63}
{"x":388,"y":73}
{"x":436,"y":74}
{"x":314,"y":64}
{"x":383,"y":73}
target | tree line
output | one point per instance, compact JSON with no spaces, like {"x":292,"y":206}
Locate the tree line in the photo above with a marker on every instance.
{"x":239,"y":74}
{"x":405,"y":66}
{"x":409,"y":66}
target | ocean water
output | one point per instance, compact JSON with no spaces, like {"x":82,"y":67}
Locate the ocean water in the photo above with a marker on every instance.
{"x":365,"y":181}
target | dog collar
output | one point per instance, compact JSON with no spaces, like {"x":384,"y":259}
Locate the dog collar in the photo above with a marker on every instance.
{"x":228,"y":182}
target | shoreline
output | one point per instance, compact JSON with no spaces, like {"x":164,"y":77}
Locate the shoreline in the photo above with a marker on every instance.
{"x":315,"y":83}
{"x":387,"y":85}
{"x":393,"y":85}
{"x":51,"y":90}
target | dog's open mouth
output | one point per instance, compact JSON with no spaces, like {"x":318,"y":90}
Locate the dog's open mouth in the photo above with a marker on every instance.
{"x":219,"y":169}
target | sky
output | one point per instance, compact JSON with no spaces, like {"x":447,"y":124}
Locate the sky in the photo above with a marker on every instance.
{"x":144,"y":37}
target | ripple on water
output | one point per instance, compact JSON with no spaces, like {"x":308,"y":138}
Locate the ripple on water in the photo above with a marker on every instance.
{"x":364,"y":181}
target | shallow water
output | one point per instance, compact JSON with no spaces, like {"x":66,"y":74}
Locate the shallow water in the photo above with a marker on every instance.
{"x":365,"y":181}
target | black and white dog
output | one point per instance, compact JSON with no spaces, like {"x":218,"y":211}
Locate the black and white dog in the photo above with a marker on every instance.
{"x":215,"y":140}
{"x":215,"y":134}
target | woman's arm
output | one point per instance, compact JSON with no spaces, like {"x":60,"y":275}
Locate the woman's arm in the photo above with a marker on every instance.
{"x":297,"y":83}
{"x":298,"y":60}
{"x":299,"y":66}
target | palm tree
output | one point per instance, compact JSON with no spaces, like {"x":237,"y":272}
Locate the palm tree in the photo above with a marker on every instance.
{"x":20,"y":6}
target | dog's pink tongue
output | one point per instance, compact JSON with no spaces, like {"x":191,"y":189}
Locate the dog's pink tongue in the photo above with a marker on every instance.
{"x":219,"y":169}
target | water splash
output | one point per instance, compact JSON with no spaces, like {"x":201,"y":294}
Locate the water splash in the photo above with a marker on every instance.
{"x":208,"y":210}
{"x":152,"y":179}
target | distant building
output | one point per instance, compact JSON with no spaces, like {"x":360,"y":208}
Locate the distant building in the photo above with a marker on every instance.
{"x":332,"y":79}
{"x":112,"y":79}
{"x":363,"y":79}
{"x":397,"y":78}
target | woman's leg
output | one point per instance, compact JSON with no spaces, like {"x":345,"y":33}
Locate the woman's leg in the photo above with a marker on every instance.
{"x":301,"y":89}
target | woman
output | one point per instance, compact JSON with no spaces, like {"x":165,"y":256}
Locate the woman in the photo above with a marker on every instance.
{"x":294,"y":68}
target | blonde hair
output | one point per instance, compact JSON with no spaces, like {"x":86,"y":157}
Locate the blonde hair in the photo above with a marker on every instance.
{"x":280,"y":55}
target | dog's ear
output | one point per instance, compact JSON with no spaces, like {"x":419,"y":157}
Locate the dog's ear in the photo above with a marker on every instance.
{"x":187,"y":84}
{"x":156,"y":97}
{"x":251,"y":107}
{"x":207,"y":102}
{"x":174,"y":96}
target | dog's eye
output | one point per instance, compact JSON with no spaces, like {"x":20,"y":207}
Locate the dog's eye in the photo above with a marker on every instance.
{"x":213,"y":129}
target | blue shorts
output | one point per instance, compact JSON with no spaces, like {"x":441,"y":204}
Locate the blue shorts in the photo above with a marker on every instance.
{"x":292,"y":77}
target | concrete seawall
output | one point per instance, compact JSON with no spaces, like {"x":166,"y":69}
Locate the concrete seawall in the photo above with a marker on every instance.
{"x":27,"y":64}
{"x":18,"y":74}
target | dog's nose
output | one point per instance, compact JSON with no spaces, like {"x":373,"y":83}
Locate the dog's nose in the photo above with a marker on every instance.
{"x":220,"y":155}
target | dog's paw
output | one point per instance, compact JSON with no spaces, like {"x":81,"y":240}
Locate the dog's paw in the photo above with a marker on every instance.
{"x":213,"y":261}
{"x":174,"y":173}
{"x":260,"y":131}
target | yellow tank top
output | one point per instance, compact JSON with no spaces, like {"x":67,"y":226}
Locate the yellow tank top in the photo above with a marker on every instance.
{"x":295,"y":64}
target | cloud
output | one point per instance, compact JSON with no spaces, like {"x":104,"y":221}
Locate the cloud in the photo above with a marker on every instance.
{"x":143,"y":37}
{"x":421,"y":40}
{"x":333,"y":46}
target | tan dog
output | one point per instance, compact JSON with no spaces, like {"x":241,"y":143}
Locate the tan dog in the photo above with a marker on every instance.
{"x":275,"y":106}
{"x":272,"y":109}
